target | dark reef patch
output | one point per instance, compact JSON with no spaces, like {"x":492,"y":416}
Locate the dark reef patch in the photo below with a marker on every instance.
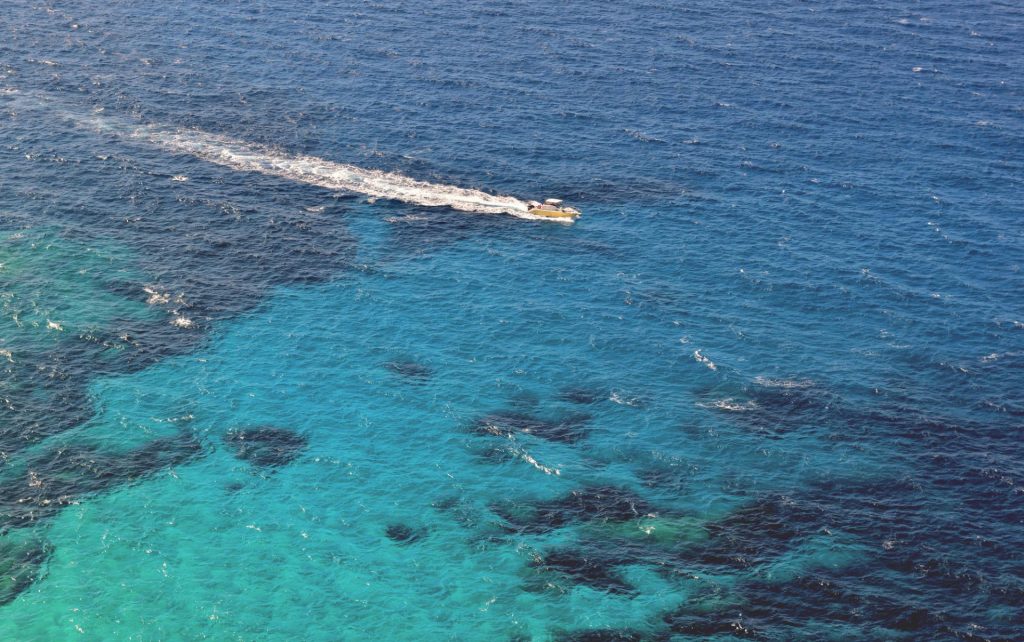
{"x":604,"y":504}
{"x":209,"y":259}
{"x":42,"y":400}
{"x":462,"y":512}
{"x":762,"y":530}
{"x":582,"y":396}
{"x":774,"y":407}
{"x":792,"y":398}
{"x":496,"y":454}
{"x":214,"y":259}
{"x":779,"y":610}
{"x":704,"y":625}
{"x":568,"y":430}
{"x":404,"y":534}
{"x":410,"y":370}
{"x":671,"y":478}
{"x":603,"y":635}
{"x":20,"y":565}
{"x":913,"y":573}
{"x":55,"y":478}
{"x":920,"y":554}
{"x":266,"y":446}
{"x":585,"y":569}
{"x":936,"y":547}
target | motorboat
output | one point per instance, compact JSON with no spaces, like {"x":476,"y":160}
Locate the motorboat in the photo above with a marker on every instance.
{"x":552,"y":208}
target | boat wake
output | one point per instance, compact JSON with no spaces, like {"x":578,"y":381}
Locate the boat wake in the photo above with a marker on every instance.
{"x":250,"y":157}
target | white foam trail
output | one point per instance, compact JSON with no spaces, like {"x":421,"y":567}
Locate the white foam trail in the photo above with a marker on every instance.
{"x":250,"y":157}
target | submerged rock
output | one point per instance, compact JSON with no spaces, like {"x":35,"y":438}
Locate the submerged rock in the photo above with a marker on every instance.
{"x":234,"y":487}
{"x":404,"y":534}
{"x":58,"y":477}
{"x":762,"y":530}
{"x":775,"y":407}
{"x":593,"y":504}
{"x":582,"y":396}
{"x":20,"y":566}
{"x":776,"y":610}
{"x":266,"y":446}
{"x":580,"y":568}
{"x":410,"y":369}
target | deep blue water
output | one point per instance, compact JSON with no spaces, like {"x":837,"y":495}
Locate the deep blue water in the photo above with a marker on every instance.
{"x":770,"y":386}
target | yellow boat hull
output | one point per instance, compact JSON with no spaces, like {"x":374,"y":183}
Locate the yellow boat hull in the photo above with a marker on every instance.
{"x":553,"y":213}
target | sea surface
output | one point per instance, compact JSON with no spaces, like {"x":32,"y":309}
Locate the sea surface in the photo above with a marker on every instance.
{"x":282,"y":356}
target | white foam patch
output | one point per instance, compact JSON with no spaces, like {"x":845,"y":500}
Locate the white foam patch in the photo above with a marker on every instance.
{"x":783,"y":383}
{"x":703,"y":359}
{"x":250,"y":157}
{"x":730,"y":405}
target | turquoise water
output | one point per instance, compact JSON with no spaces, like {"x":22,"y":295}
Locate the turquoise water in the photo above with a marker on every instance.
{"x":767,"y":387}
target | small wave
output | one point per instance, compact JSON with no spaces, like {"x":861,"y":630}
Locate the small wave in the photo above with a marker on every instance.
{"x":702,"y":359}
{"x":995,"y":356}
{"x":547,"y":470}
{"x":642,"y":137}
{"x":634,"y":402}
{"x":783,"y":383}
{"x":408,"y":218}
{"x":520,"y":453}
{"x":156,"y":297}
{"x":730,"y":405}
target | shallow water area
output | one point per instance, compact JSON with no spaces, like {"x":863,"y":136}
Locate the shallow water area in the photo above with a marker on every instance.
{"x":276,"y":363}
